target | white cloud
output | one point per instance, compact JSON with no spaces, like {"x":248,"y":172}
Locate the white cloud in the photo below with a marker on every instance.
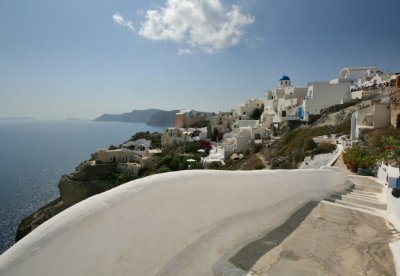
{"x":117,"y":18}
{"x":198,"y":24}
{"x":182,"y":52}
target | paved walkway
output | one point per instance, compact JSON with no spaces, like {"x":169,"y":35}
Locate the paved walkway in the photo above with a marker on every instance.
{"x":341,"y":165}
{"x":345,"y":234}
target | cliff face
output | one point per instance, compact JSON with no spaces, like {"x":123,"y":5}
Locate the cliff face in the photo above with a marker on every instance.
{"x":163,"y":118}
{"x":87,"y":181}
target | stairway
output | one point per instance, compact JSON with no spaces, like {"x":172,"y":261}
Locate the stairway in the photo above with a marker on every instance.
{"x":347,"y":233}
{"x":366,"y":195}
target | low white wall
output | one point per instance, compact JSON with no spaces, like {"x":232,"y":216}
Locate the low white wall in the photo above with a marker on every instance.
{"x":393,"y":210}
{"x":385,"y":175}
{"x":168,"y":224}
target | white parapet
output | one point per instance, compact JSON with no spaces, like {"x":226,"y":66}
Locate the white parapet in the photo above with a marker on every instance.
{"x":179,"y":223}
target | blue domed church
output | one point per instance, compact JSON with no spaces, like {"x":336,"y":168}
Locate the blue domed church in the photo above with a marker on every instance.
{"x":284,"y":81}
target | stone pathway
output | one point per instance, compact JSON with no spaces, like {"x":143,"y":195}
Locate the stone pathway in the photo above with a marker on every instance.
{"x":345,"y":234}
{"x":341,"y":165}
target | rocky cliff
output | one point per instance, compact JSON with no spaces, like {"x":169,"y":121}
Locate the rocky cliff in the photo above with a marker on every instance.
{"x":89,"y":179}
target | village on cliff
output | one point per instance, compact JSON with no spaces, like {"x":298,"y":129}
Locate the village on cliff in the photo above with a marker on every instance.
{"x":258,"y":121}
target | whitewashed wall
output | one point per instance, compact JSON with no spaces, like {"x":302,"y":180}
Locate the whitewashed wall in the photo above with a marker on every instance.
{"x":169,"y":224}
{"x":325,"y":95}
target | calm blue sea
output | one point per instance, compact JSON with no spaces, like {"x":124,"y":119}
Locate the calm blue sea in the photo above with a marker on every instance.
{"x":35,"y":154}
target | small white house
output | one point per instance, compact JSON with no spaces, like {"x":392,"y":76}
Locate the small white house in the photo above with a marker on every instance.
{"x":138,"y":145}
{"x":238,"y":142}
{"x":355,"y":73}
{"x":244,"y":111}
{"x":183,"y":135}
{"x":118,"y":155}
{"x":372,"y":117}
{"x":324,"y":94}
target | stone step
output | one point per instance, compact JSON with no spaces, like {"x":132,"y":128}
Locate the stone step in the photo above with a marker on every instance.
{"x":371,"y":199}
{"x":365,"y":180}
{"x":363,"y":209}
{"x":368,"y":203}
{"x":363,"y":197}
{"x":367,"y":188}
{"x":364,"y":193}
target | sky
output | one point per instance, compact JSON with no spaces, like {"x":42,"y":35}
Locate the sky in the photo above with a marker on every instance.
{"x":61,"y":59}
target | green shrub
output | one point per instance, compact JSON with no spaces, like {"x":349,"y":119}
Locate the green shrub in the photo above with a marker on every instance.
{"x":309,"y":144}
{"x":121,"y":178}
{"x":112,"y":147}
{"x":325,"y":147}
{"x":192,"y":147}
{"x":163,"y":169}
{"x":255,"y":148}
{"x":215,"y":166}
{"x":343,"y":128}
{"x":254,"y":163}
{"x":256,"y":114}
{"x":361,"y":157}
{"x":200,"y":124}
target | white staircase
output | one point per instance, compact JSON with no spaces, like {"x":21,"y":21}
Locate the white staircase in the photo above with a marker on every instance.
{"x":366,"y":195}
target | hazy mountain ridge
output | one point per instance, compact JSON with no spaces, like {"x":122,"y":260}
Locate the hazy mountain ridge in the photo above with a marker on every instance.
{"x":155,"y":117}
{"x":15,"y":118}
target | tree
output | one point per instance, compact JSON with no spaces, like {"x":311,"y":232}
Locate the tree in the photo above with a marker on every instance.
{"x":256,"y":113}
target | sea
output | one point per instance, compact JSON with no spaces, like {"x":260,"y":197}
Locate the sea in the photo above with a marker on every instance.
{"x":34,"y":154}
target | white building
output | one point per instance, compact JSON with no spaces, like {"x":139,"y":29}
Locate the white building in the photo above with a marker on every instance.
{"x":183,"y":135}
{"x":354,"y":74}
{"x":243,"y":135}
{"x":149,"y":157}
{"x":283,"y":103}
{"x":372,"y":117}
{"x":238,"y":142}
{"x":216,"y":155}
{"x":244,"y":111}
{"x":324,"y":94}
{"x":117,"y":155}
{"x":139,"y":145}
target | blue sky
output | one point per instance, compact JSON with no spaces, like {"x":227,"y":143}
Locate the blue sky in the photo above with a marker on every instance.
{"x":73,"y":58}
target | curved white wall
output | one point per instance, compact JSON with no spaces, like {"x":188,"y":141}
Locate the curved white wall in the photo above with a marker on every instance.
{"x":169,"y":224}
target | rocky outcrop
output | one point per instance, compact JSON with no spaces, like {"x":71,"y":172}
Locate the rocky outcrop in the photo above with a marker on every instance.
{"x":31,"y":222}
{"x":89,"y":179}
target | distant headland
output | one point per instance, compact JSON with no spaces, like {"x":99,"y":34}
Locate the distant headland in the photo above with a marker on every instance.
{"x":152,"y":116}
{"x":15,"y":118}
